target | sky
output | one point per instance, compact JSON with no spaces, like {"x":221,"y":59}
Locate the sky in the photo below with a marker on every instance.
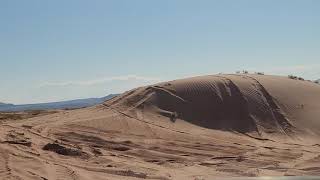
{"x":59,"y":50}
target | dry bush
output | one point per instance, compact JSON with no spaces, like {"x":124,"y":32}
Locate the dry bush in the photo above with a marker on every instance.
{"x":259,"y":73}
{"x":292,"y":77}
{"x":295,"y":77}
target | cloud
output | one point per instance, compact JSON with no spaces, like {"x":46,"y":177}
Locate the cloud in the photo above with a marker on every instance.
{"x":103,"y":80}
{"x":297,"y":68}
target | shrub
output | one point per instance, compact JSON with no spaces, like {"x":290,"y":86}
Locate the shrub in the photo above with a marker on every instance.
{"x":259,"y":73}
{"x":292,"y":77}
{"x":295,"y":77}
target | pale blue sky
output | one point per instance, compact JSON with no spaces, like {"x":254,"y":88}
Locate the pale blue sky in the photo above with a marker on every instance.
{"x":66,"y":49}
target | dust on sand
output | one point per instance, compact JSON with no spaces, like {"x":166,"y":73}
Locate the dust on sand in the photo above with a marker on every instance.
{"x":203,"y":127}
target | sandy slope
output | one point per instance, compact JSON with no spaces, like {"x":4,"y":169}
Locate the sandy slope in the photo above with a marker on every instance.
{"x":197,"y":128}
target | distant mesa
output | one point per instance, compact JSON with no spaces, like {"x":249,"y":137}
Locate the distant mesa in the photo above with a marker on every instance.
{"x":72,"y":104}
{"x":4,"y":104}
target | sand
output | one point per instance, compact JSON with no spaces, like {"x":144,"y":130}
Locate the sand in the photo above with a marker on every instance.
{"x":204,"y":127}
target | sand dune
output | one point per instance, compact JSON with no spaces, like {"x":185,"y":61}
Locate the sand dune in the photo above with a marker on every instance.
{"x":204,"y":127}
{"x":243,"y":103}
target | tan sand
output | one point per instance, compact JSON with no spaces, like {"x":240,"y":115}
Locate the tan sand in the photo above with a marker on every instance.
{"x":204,"y":127}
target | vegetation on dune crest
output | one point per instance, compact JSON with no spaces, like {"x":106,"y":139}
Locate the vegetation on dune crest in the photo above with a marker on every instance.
{"x":247,"y":72}
{"x":295,"y":77}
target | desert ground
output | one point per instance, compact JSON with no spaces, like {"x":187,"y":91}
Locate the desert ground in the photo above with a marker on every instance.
{"x":205,"y":127}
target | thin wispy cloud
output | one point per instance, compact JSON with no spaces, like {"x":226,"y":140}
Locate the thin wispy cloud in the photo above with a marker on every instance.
{"x":309,"y":71}
{"x":297,"y":68}
{"x":103,"y":80}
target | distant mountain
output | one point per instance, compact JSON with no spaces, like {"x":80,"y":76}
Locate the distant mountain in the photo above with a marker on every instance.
{"x":4,"y":104}
{"x":72,"y":104}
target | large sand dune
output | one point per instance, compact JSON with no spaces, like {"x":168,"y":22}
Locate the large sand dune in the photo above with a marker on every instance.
{"x":203,"y":127}
{"x":243,"y":103}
